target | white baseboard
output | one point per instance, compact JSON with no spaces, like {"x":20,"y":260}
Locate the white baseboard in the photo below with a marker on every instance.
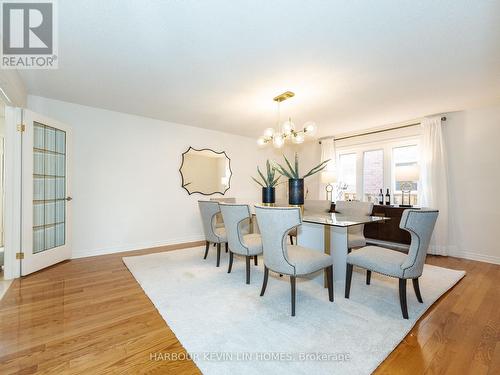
{"x":474,"y":256}
{"x":136,"y":246}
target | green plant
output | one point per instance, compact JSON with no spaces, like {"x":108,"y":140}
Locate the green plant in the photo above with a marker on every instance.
{"x":268,"y":180}
{"x":293,"y":172}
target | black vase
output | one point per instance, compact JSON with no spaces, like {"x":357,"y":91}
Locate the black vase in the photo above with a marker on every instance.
{"x":268,"y":195}
{"x":296,"y":192}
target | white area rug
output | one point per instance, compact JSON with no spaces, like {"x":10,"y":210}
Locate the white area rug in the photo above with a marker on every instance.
{"x":229,"y":329}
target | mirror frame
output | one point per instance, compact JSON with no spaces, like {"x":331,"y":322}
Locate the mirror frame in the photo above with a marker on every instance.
{"x":216,"y":152}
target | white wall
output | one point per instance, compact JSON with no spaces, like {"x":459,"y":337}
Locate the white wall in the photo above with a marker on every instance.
{"x":126,"y":184}
{"x":14,"y":88}
{"x":473,"y":144}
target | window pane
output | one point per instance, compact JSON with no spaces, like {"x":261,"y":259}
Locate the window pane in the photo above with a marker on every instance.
{"x":347,"y":172}
{"x":49,"y":185}
{"x":405,"y":157}
{"x":373,"y":173}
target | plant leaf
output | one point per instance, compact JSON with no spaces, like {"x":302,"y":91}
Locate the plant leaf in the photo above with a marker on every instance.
{"x":257,"y":181}
{"x":282,"y":171}
{"x":314,"y":171}
{"x":317,"y":168}
{"x":268,"y":167}
{"x":297,"y":165}
{"x":275,"y":181}
{"x":262,"y":176}
{"x":285,"y":173}
{"x":292,"y":171}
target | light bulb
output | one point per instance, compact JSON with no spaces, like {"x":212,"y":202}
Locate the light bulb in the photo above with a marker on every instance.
{"x":278,"y":140}
{"x":298,"y":138}
{"x":261,"y":141}
{"x":310,"y":128}
{"x":288,"y":126}
{"x":268,"y":133}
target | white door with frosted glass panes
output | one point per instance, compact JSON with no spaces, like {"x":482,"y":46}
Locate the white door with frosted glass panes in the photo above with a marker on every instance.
{"x":46,"y":192}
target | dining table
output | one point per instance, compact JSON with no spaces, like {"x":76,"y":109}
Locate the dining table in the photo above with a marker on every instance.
{"x":326,"y":232}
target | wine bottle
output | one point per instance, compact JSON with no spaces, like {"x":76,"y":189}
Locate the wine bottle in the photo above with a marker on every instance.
{"x":387,"y":198}
{"x":381,"y":197}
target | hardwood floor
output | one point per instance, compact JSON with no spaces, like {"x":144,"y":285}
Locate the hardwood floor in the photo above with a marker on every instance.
{"x":90,"y":316}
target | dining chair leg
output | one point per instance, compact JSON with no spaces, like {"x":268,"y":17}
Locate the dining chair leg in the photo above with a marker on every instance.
{"x":416,"y":287}
{"x":227,"y":247}
{"x":348,"y":278}
{"x":248,"y":269}
{"x":292,"y":284}
{"x":329,"y":279}
{"x":255,"y":261}
{"x":207,"y":245}
{"x":218,"y":254}
{"x":291,"y":240}
{"x":349,"y":250}
{"x":264,"y":282}
{"x":230,"y":267}
{"x":402,"y":298}
{"x":368,"y":276}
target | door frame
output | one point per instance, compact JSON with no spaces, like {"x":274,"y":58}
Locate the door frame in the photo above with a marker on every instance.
{"x":13,"y":192}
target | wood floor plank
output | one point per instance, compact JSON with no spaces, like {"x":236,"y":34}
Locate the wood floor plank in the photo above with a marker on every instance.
{"x":90,"y":315}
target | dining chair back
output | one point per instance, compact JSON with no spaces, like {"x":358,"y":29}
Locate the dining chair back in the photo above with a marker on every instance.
{"x":213,"y":234}
{"x":236,"y":220}
{"x":274,"y":224}
{"x":317,"y":205}
{"x":208,"y":211}
{"x":356,"y":237}
{"x":420,"y":224}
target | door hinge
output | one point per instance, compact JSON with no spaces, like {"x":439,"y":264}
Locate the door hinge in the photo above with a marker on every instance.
{"x":21,"y":128}
{"x":19,"y":255}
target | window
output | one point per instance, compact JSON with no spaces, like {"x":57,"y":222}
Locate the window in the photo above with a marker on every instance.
{"x":406,"y":156}
{"x":347,"y":172}
{"x":373,"y":174}
{"x":377,"y":168}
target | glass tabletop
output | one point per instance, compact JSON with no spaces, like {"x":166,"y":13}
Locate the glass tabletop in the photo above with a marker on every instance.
{"x":338,"y":220}
{"x":333,"y":219}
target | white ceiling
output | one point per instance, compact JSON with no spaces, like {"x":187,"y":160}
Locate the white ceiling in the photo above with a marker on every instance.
{"x":218,"y":64}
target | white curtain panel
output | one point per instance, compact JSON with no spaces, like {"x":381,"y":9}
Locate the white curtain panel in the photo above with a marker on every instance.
{"x":433,"y":190}
{"x":328,"y":152}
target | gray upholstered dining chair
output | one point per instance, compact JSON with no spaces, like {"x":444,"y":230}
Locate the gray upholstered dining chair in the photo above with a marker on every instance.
{"x":236,"y":218}
{"x":420,"y":225}
{"x":213,"y":234}
{"x":219,"y":222}
{"x":291,"y":260}
{"x":312,"y":206}
{"x":355,"y":236}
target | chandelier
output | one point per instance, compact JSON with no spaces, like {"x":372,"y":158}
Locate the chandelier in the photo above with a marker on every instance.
{"x":286,"y":131}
